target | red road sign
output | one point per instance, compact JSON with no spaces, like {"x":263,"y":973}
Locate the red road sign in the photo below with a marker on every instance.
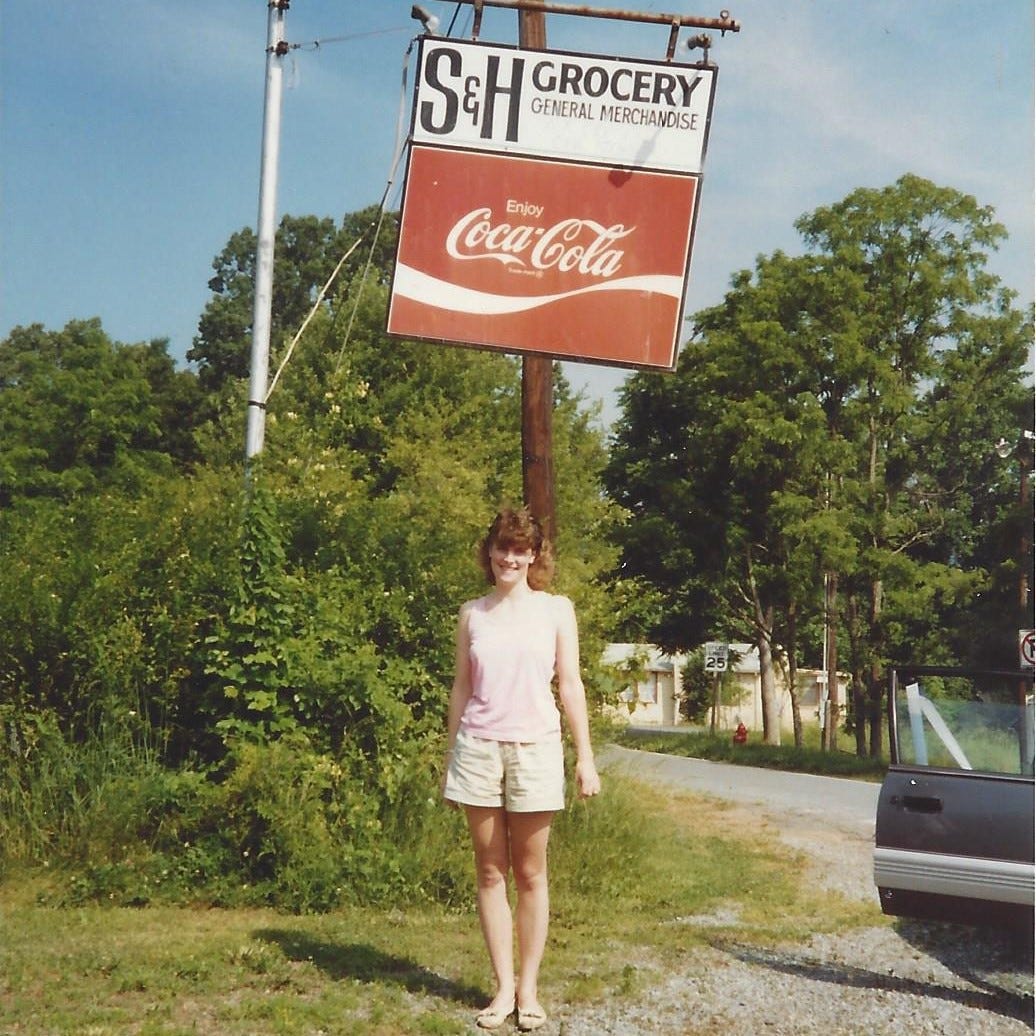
{"x":1027,"y":648}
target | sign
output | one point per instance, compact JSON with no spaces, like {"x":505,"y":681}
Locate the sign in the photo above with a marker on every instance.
{"x":536,"y":256}
{"x":550,"y":202}
{"x":1026,"y":649}
{"x":716,"y":657}
{"x":580,"y":107}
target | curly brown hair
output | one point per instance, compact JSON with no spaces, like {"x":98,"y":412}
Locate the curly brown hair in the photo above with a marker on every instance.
{"x":519,"y":528}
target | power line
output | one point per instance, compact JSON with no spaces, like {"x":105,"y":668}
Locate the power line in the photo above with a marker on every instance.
{"x":317,"y":44}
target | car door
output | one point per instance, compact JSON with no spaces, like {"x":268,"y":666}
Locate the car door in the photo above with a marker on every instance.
{"x":954,"y":825}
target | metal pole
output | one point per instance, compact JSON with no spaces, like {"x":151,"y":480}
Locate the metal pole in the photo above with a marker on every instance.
{"x":276,"y":48}
{"x":537,"y":371}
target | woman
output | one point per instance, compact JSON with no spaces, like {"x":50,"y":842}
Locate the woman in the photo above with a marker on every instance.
{"x":505,"y":763}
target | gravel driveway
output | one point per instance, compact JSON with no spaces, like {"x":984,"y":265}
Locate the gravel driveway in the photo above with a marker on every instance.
{"x":911,"y":978}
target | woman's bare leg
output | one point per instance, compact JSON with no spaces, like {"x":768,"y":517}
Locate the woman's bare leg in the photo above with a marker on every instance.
{"x":529,"y":833}
{"x":489,"y":836}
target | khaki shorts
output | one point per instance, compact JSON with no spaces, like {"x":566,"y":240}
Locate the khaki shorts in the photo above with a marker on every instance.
{"x":522,"y":777}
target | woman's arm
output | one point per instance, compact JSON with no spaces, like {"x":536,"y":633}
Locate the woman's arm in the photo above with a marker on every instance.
{"x":461,"y":690}
{"x":573,"y":698}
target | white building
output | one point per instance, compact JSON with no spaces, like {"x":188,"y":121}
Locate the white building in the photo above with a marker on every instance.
{"x":655,"y":688}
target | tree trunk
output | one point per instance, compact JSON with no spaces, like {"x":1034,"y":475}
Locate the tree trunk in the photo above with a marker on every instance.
{"x":859,"y":711}
{"x":763,"y":618}
{"x":875,"y":681}
{"x":796,"y":716}
{"x":768,"y":692}
{"x":793,"y":675}
{"x":875,"y":634}
{"x":859,"y":715}
{"x":714,"y":724}
{"x":875,"y":696}
{"x":830,"y":733}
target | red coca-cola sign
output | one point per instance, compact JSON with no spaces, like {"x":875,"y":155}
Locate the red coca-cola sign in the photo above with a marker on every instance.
{"x":579,"y":261}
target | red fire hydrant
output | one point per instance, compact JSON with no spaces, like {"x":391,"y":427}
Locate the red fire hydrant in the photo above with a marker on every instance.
{"x":740,"y":734}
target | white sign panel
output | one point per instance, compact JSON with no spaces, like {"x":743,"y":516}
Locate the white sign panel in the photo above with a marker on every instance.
{"x":614,"y":111}
{"x":716,"y":657}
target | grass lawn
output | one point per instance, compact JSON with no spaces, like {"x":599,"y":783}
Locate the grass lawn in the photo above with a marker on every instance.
{"x":628,"y":871}
{"x":699,"y":744}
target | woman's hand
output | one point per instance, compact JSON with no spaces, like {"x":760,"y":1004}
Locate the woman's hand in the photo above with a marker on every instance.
{"x":442,"y":784}
{"x":587,"y":779}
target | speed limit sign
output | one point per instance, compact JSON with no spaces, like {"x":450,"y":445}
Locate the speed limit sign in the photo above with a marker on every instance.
{"x":716,"y":655}
{"x":1026,"y":648}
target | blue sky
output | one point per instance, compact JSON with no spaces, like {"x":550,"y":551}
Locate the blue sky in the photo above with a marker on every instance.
{"x":130,"y":133}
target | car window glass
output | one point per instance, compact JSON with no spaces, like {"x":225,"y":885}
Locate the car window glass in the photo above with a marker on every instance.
{"x":981,"y":723}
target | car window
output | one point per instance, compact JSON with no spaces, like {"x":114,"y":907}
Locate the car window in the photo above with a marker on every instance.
{"x":981,"y":722}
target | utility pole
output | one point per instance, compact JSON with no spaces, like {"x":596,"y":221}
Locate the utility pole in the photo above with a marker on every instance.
{"x":538,"y":482}
{"x":1025,"y":458}
{"x":537,"y":371}
{"x":1023,"y":450}
{"x":276,"y":48}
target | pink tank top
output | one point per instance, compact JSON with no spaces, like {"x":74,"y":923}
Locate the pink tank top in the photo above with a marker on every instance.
{"x":512,"y":666}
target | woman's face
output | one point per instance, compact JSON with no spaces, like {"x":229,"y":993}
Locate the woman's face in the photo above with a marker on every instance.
{"x":510,"y":563}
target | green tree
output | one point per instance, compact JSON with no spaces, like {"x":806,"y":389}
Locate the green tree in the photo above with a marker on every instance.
{"x":79,"y":411}
{"x":385,"y":458}
{"x":306,"y":251}
{"x":933,"y":325}
{"x":813,"y":427}
{"x":722,"y":466}
{"x":105,"y":600}
{"x":290,"y":646}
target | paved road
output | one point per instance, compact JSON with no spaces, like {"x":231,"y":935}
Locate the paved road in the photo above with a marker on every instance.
{"x":846,"y":804}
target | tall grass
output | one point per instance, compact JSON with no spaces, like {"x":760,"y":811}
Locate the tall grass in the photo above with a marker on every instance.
{"x":60,"y":799}
{"x":278,"y":824}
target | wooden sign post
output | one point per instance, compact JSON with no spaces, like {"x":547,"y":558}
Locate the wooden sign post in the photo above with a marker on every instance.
{"x":537,"y":371}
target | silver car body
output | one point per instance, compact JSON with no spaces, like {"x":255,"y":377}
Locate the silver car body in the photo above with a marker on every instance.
{"x":954,"y":828}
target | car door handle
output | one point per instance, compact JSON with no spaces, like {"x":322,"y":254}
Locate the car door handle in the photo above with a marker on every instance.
{"x":918,"y":803}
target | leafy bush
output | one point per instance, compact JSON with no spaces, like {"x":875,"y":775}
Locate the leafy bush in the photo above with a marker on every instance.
{"x":229,"y":696}
{"x":283,"y":826}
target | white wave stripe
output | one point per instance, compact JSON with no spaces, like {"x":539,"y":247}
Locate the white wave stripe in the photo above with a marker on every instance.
{"x":431,"y":291}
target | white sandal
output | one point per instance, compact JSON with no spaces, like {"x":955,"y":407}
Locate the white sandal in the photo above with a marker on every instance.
{"x":493,"y":1017}
{"x":531,"y":1019}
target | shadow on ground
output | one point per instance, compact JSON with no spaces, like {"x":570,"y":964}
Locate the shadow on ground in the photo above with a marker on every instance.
{"x":365,"y":963}
{"x":944,"y":946}
{"x":996,"y":960}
